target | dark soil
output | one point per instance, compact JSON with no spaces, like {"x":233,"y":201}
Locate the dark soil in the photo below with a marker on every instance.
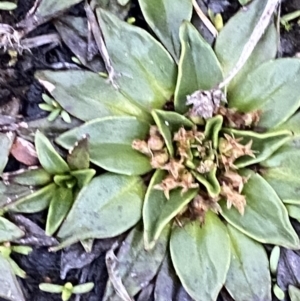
{"x":18,"y":81}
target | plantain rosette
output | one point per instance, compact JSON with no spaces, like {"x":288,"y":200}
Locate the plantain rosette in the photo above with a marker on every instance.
{"x":55,"y":184}
{"x":221,"y":167}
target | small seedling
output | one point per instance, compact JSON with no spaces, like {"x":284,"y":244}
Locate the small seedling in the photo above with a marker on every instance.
{"x":284,"y":20}
{"x":59,"y":181}
{"x":6,"y":249}
{"x":54,"y":107}
{"x":66,"y":290}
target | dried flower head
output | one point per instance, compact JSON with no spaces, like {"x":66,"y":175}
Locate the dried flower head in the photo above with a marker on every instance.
{"x":205,"y":103}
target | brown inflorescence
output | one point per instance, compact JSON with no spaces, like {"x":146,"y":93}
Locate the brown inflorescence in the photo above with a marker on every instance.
{"x":194,"y":153}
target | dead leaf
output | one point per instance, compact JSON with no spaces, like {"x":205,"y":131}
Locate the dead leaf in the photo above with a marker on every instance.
{"x":24,"y":152}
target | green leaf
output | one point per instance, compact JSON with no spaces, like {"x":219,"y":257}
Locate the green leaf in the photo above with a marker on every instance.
{"x":293,"y":211}
{"x":16,"y":269}
{"x":108,"y":206}
{"x":24,"y":250}
{"x":46,"y":107}
{"x":165,"y":17}
{"x":65,"y":116}
{"x":51,"y":161}
{"x":199,"y":68}
{"x":212,"y":129}
{"x":210,"y":181}
{"x":9,"y":193}
{"x":110,"y":143}
{"x":48,"y":100}
{"x":60,"y":205}
{"x":51,"y":288}
{"x":54,"y":114}
{"x":233,"y":38}
{"x":195,"y":253}
{"x":47,"y":8}
{"x":6,"y":5}
{"x":30,"y":177}
{"x":158,"y":211}
{"x":292,"y":124}
{"x":83,"y":288}
{"x":248,"y":277}
{"x":6,"y":141}
{"x":78,"y":93}
{"x":274,"y":259}
{"x":83,"y":176}
{"x":147,"y":71}
{"x":164,"y":131}
{"x":174,"y":120}
{"x":282,"y":172}
{"x":264,"y":89}
{"x":294,"y":293}
{"x":263,"y":144}
{"x":34,"y":202}
{"x":9,"y":231}
{"x":266,"y":219}
{"x":9,"y":286}
{"x":136,"y":266}
{"x":278,"y":292}
{"x":78,"y":157}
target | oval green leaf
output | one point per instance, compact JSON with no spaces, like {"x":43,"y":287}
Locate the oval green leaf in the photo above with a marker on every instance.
{"x":87,"y":95}
{"x":265,"y":219}
{"x":199,"y":68}
{"x":51,"y":161}
{"x":9,"y":231}
{"x":248,"y":277}
{"x":294,"y":293}
{"x":281,"y":80}
{"x":6,"y":5}
{"x":108,"y":206}
{"x":110,"y":143}
{"x":83,"y":288}
{"x":30,"y":177}
{"x":158,"y":211}
{"x":147,"y":73}
{"x":233,"y":38}
{"x":34,"y":202}
{"x":282,"y":172}
{"x":9,"y":193}
{"x":60,"y":205}
{"x":195,"y":253}
{"x":51,"y":288}
{"x":9,"y":286}
{"x":165,"y":17}
{"x":274,"y":259}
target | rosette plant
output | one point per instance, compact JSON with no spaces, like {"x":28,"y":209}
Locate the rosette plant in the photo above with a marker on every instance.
{"x":55,"y":184}
{"x":211,"y":174}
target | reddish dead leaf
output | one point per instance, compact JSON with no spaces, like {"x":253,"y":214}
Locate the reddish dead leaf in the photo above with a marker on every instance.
{"x":24,"y":152}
